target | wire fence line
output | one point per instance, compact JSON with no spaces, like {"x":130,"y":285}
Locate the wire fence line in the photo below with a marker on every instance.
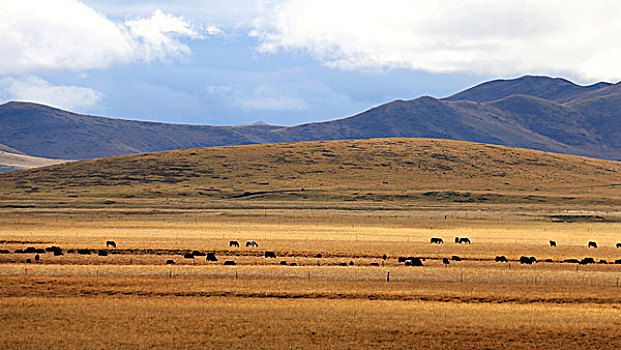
{"x":328,"y":273}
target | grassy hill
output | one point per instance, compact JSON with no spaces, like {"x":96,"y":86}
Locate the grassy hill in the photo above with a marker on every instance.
{"x":377,"y":170}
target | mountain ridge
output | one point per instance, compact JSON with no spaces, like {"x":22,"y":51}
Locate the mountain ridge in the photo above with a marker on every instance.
{"x":533,"y":112}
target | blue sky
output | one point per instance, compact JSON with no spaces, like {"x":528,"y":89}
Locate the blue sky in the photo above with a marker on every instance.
{"x":288,"y":62}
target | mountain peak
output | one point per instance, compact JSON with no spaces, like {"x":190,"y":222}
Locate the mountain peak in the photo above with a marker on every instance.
{"x":553,"y":89}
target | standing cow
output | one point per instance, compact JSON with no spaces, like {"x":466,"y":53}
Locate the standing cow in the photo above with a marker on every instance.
{"x":110,"y":244}
{"x":592,"y":244}
{"x":552,"y":243}
{"x":252,"y":244}
{"x":233,"y":244}
{"x":462,"y":240}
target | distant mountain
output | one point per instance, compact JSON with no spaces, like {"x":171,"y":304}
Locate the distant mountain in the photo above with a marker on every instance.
{"x":44,"y":131}
{"x":530,"y":112}
{"x":553,"y":89}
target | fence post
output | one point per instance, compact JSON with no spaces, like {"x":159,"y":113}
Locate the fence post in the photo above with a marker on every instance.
{"x":235,"y":274}
{"x":388,"y":277}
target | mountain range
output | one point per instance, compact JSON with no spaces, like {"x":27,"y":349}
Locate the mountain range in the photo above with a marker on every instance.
{"x":533,"y":112}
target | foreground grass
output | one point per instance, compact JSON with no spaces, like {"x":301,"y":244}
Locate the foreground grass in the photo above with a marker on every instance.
{"x":248,"y":323}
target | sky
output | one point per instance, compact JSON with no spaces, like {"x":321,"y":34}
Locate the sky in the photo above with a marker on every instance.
{"x":288,"y":62}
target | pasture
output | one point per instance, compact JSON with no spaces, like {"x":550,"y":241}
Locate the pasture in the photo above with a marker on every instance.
{"x":89,"y":301}
{"x":136,"y":233}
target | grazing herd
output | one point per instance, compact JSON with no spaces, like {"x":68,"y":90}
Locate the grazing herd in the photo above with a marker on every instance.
{"x":407,"y":261}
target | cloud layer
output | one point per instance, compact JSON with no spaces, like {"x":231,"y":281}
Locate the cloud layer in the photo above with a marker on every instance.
{"x":482,"y":36}
{"x":40,"y":35}
{"x":33,"y":89}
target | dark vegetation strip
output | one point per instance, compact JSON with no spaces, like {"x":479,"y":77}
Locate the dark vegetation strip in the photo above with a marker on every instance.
{"x":327,"y":296}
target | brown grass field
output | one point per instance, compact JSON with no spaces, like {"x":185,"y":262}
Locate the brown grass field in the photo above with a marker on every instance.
{"x":353,"y":208}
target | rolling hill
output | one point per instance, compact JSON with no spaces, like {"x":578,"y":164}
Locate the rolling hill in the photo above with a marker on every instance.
{"x":376,"y":170}
{"x":531,"y":112}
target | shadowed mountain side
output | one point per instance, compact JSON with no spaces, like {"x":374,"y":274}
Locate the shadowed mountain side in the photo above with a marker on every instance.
{"x":49,"y":132}
{"x":367,"y":170}
{"x":553,"y":89}
{"x":530,"y":112}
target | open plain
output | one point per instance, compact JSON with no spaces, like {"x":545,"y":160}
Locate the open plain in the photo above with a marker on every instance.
{"x":316,"y":206}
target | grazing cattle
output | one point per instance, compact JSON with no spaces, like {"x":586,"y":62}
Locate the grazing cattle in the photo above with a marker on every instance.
{"x":592,"y":244}
{"x":188,"y":256}
{"x":384,"y":257}
{"x":571,"y":261}
{"x":37,"y":257}
{"x":587,"y":261}
{"x":197,"y":253}
{"x":270,"y":255}
{"x":528,"y":260}
{"x":58,"y":252}
{"x":252,"y":244}
{"x":445,"y":261}
{"x":618,"y":262}
{"x":549,"y":260}
{"x":464,"y":240}
{"x":319,"y":256}
{"x":293,"y":264}
{"x":233,"y":244}
{"x":170,"y":262}
{"x":40,"y":251}
{"x":552,"y":243}
{"x":602,"y":261}
{"x":343,"y":264}
{"x":102,"y":253}
{"x":70,"y":251}
{"x":618,"y":245}
{"x":84,"y":251}
{"x":110,"y":244}
{"x":211,"y":257}
{"x":4,"y":251}
{"x":502,"y":258}
{"x":28,"y":261}
{"x":456,"y":239}
{"x":401,"y":259}
{"x":351,"y":263}
{"x":19,"y":251}
{"x":455,"y":258}
{"x":437,"y":240}
{"x":282,"y":262}
{"x":230,"y":262}
{"x":52,"y":248}
{"x":30,"y":250}
{"x":374,"y":264}
{"x":413,"y":262}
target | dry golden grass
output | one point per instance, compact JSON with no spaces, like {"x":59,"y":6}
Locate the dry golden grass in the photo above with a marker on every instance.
{"x":380,"y":171}
{"x":354,"y":207}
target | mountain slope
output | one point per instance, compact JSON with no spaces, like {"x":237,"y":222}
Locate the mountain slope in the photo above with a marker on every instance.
{"x":365,"y":170}
{"x":14,"y":161}
{"x":530,"y":112}
{"x":553,"y":89}
{"x":49,"y":132}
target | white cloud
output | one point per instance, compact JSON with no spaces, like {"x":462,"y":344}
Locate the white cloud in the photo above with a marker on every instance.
{"x":66,"y":34}
{"x":34,"y":89}
{"x":215,"y":89}
{"x":265,"y":98}
{"x":484,"y":36}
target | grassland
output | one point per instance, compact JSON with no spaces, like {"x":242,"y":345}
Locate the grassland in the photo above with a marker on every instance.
{"x":159,"y":207}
